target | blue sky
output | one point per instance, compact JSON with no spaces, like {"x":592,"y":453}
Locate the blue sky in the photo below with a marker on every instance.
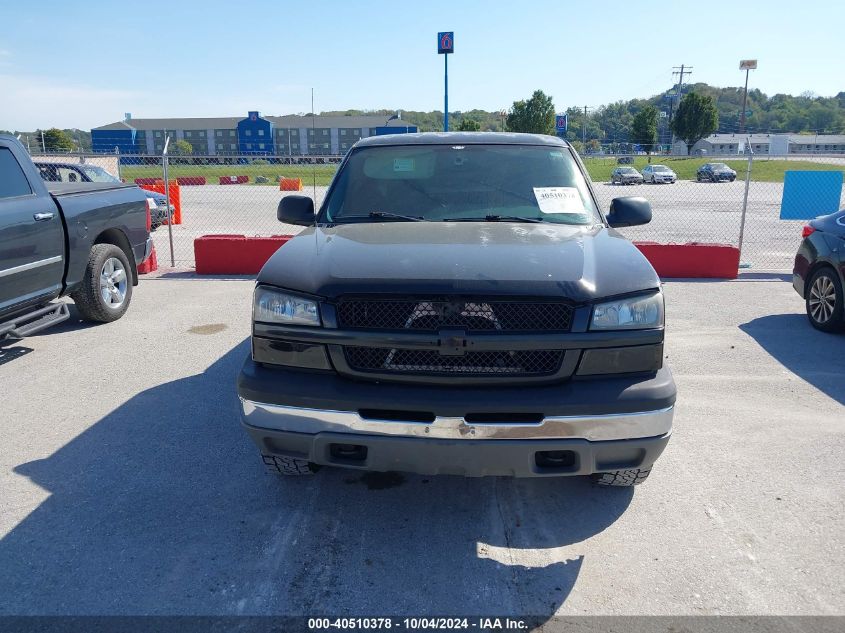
{"x":82,"y":64}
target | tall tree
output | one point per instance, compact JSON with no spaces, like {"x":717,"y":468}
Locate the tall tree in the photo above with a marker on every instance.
{"x":696,"y":118}
{"x":644,"y":129}
{"x":182,"y":148}
{"x":536,"y":115}
{"x":469,"y":125}
{"x":56,"y":140}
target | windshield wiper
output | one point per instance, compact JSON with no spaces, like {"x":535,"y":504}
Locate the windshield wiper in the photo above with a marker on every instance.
{"x":379,"y":215}
{"x":497,"y":218}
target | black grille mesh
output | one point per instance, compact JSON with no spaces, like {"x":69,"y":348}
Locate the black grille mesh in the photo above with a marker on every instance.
{"x":409,"y":361}
{"x":470,"y":314}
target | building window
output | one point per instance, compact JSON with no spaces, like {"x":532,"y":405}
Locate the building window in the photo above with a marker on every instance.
{"x":343,"y":132}
{"x":219,"y":133}
{"x":188,"y":134}
{"x":356,"y":132}
{"x":249,"y":145}
{"x":232,"y":146}
{"x":158,"y":146}
{"x":247,"y":132}
{"x":158,"y":134}
{"x":343,"y":146}
{"x":260,"y":132}
{"x":311,"y":132}
{"x":231,"y":132}
{"x":295,"y":146}
{"x":325,"y":146}
{"x":325,"y":132}
{"x":261,"y":146}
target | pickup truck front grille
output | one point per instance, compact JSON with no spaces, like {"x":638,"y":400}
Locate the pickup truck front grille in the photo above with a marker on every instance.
{"x":470,"y":314}
{"x":412,"y":361}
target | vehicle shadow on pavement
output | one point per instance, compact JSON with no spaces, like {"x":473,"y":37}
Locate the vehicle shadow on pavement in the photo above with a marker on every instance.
{"x":814,"y":356}
{"x":162,"y":507}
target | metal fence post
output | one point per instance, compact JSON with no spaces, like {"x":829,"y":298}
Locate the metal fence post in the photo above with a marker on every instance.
{"x":745,"y":203}
{"x":164,"y":161}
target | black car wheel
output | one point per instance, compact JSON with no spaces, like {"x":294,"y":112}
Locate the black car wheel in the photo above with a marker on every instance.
{"x":824,"y":301}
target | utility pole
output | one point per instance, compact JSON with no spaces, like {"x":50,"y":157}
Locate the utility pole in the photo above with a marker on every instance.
{"x":584,"y":132}
{"x":681,"y":70}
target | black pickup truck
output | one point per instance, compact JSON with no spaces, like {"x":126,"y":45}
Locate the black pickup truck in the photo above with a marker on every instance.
{"x":56,"y":239}
{"x":459,"y":304}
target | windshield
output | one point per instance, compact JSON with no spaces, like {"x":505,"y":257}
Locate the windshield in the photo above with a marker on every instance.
{"x":627,"y":170}
{"x":461,"y":183}
{"x":718,"y":166}
{"x":661,"y":168}
{"x":98,"y":174}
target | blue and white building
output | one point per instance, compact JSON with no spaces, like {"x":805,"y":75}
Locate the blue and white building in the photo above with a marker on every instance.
{"x":292,"y":136}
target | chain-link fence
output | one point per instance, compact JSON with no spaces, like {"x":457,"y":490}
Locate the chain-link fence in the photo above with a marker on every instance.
{"x":234,"y":194}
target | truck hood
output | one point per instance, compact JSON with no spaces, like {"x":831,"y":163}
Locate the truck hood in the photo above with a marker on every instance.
{"x":468,"y":258}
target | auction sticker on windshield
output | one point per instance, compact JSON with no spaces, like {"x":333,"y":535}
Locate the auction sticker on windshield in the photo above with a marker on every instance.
{"x":559,"y":200}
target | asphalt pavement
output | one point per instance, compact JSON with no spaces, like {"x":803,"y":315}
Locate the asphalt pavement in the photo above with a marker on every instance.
{"x":128,"y":487}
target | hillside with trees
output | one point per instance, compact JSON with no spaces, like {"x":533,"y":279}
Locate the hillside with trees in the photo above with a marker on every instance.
{"x":613,"y":123}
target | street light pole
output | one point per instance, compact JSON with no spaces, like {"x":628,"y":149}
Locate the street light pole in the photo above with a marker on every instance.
{"x":747,"y":65}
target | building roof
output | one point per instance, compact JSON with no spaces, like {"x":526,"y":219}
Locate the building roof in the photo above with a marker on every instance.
{"x":813,"y":139}
{"x":230,"y":123}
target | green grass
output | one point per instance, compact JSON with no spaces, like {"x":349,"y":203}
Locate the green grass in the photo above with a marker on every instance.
{"x":213,"y":172}
{"x":599,"y":168}
{"x":763,"y":170}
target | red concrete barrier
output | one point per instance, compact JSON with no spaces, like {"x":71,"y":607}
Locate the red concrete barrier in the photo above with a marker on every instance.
{"x":147,"y":181}
{"x":150,"y":265}
{"x":234,"y":180}
{"x":692,"y":260}
{"x":175,"y":197}
{"x":234,"y":254}
{"x":290,"y":184}
{"x":191,"y":180}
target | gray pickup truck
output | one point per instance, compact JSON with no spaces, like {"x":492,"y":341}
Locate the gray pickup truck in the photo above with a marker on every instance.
{"x":56,"y":239}
{"x":459,"y":304}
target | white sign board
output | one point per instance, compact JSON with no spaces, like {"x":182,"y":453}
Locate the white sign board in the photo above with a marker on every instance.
{"x":748,"y":64}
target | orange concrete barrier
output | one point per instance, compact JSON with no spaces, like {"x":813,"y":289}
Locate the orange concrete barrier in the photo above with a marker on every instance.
{"x":290,"y":184}
{"x":175,"y":197}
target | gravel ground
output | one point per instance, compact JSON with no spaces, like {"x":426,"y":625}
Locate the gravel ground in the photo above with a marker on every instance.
{"x":128,"y":486}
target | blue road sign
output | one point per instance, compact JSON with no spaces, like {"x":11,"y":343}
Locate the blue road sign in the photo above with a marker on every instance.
{"x":561,"y":122}
{"x":446,"y":42}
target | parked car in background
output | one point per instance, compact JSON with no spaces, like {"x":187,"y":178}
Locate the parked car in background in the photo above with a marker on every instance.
{"x":625,"y":160}
{"x":78,"y":239}
{"x":626,"y":176}
{"x":715,"y":172}
{"x":422,"y":324}
{"x":819,"y":271}
{"x":82,"y":172}
{"x":659,"y":173}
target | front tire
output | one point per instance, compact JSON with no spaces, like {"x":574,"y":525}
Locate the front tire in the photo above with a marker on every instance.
{"x":288,"y":466}
{"x":106,"y":289}
{"x":622,"y":478}
{"x":824,"y":302}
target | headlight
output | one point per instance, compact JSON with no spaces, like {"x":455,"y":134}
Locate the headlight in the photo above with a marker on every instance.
{"x":279,"y":307}
{"x":633,"y":313}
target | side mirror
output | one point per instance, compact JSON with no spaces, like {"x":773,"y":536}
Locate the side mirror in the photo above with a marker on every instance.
{"x":631,"y":211}
{"x":297,"y":210}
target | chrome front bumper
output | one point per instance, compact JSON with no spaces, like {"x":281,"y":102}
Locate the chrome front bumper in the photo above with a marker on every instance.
{"x":594,"y":428}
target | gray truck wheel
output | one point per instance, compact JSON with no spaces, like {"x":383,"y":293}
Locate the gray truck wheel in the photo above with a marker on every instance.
{"x":287,"y":465}
{"x":106,"y":288}
{"x":629,"y":477}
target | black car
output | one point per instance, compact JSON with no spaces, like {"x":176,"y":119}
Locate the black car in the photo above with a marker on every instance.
{"x":819,"y":272}
{"x":81,"y":172}
{"x":715,"y":172}
{"x":626,"y":176}
{"x":625,"y":160}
